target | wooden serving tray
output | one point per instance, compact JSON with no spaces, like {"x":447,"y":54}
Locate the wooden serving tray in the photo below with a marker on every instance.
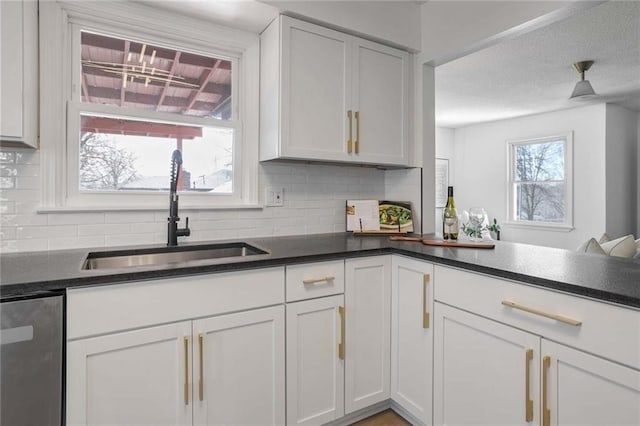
{"x":443,"y":243}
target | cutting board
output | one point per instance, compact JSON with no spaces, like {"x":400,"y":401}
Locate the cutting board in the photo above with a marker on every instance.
{"x":443,"y":243}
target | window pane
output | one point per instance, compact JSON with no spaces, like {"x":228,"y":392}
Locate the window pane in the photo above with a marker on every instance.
{"x":539,"y":162}
{"x":138,"y":75}
{"x":125,"y":155}
{"x":540,"y":202}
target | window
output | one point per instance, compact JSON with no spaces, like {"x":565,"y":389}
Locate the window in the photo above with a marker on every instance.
{"x":540,"y":191}
{"x":136,"y":89}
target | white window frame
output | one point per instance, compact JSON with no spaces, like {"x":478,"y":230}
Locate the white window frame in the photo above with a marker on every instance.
{"x":511,"y":215}
{"x":61,"y":23}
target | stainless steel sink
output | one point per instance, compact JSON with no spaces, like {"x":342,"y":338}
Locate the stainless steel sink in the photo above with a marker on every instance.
{"x":217,"y":253}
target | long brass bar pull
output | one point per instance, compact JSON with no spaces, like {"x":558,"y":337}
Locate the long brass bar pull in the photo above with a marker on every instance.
{"x":201,"y":369}
{"x":341,"y":311}
{"x":186,"y":371}
{"x":546,"y":412}
{"x":349,"y":141}
{"x":527,"y":384}
{"x":425,"y":305}
{"x":538,"y":312}
{"x":318,"y":280}
{"x":356,"y":144}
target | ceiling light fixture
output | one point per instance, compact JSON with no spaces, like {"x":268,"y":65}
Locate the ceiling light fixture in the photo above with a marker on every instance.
{"x":583,"y":88}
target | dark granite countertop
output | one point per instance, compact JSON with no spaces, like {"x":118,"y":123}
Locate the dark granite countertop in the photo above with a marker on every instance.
{"x":605,"y":278}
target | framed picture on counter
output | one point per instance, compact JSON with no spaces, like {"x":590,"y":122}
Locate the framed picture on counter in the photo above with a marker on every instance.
{"x":442,"y":181}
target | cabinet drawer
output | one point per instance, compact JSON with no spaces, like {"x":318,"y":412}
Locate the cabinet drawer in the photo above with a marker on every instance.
{"x":606,"y":330}
{"x":315,"y":280}
{"x":105,"y":309}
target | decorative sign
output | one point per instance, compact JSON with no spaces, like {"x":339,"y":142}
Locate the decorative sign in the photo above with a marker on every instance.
{"x":379,"y":216}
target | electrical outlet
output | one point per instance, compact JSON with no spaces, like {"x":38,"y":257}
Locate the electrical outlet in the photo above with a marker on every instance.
{"x":273,"y":197}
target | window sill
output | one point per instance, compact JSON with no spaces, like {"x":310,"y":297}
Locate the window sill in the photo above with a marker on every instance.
{"x":98,"y":209}
{"x":540,"y":226}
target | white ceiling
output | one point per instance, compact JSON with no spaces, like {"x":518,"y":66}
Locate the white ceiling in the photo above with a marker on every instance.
{"x":533,"y":73}
{"x":249,"y":15}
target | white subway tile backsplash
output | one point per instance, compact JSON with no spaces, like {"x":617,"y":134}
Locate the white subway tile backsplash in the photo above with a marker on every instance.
{"x":7,"y":233}
{"x":314,"y":203}
{"x":7,"y":182}
{"x":75,"y":218}
{"x":131,"y":239}
{"x":7,"y":157}
{"x":104,"y":229}
{"x":27,"y":157}
{"x":24,"y":232}
{"x":75,"y":242}
{"x":129,"y":217}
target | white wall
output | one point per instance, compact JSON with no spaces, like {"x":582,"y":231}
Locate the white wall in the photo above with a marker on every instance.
{"x":445,"y":149}
{"x":397,"y":22}
{"x":621,"y":169}
{"x":480,"y":173}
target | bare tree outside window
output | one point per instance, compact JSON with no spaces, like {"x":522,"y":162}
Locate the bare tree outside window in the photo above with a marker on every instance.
{"x":538,"y":173}
{"x":104,"y":166}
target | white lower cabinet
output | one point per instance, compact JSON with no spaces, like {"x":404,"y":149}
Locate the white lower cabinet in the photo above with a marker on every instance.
{"x":338,"y":347}
{"x":139,"y":377}
{"x":412,"y":336}
{"x":480,"y":371}
{"x":368,"y":333}
{"x":315,"y":361}
{"x":583,"y":389}
{"x":230,"y":371}
{"x":488,"y":373}
{"x":238,"y":369}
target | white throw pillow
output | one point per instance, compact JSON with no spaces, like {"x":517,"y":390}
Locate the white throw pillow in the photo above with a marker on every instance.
{"x":605,"y":238}
{"x":621,"y":247}
{"x":591,"y":246}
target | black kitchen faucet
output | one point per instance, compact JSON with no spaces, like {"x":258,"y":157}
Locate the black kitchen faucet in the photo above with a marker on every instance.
{"x":173,"y":232}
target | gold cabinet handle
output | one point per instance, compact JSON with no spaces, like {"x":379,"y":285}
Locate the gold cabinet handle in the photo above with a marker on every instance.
{"x":425,"y":306}
{"x":546,"y":412}
{"x":349,"y":142}
{"x":342,"y":313}
{"x":527,"y":384}
{"x":356,"y":143}
{"x":186,"y":371}
{"x":326,"y":279}
{"x":538,"y":312}
{"x":201,"y":378}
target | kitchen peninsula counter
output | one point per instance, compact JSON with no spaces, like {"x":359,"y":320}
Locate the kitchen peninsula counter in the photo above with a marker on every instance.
{"x":609,"y":279}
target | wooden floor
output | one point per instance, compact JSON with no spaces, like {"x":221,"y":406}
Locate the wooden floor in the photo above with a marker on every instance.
{"x":385,"y":418}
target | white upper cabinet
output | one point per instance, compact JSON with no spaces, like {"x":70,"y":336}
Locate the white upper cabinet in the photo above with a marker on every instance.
{"x":19,"y":73}
{"x":329,"y":96}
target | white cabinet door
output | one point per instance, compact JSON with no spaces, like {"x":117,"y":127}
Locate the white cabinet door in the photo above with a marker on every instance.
{"x":380,"y":96}
{"x":239,"y":368}
{"x":368,"y":339}
{"x":315,"y":72}
{"x":481,"y":371}
{"x":329,"y":96}
{"x":412,"y":336}
{"x":140,"y":377}
{"x":582,"y":389}
{"x":19,"y":73}
{"x":315,"y":372}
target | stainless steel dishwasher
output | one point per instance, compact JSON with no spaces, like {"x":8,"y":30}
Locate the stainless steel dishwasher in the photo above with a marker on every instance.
{"x":31,"y":361}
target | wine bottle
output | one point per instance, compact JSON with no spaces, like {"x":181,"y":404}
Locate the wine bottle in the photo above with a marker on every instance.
{"x":450,"y":217}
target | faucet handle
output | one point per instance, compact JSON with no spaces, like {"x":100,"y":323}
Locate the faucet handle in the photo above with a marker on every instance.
{"x":186,"y":231}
